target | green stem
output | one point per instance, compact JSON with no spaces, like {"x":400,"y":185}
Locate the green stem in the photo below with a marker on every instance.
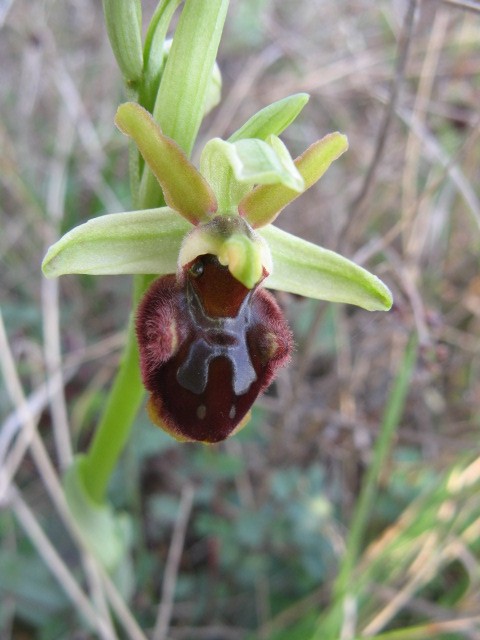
{"x":123,"y":403}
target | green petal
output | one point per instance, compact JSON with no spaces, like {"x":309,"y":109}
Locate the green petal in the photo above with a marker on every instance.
{"x":120,"y":243}
{"x":183,"y":186}
{"x":262,"y":205}
{"x":272,"y":120}
{"x":309,"y":270}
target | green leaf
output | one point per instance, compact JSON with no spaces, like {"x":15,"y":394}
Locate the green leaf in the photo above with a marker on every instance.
{"x":180,"y":103}
{"x":123,"y":19}
{"x":183,"y":186}
{"x":273,"y":119}
{"x":21,"y":573}
{"x":155,"y":52}
{"x":306,"y":269}
{"x":107,"y":534}
{"x":182,"y":95}
{"x":137,"y":242}
{"x":262,"y":205}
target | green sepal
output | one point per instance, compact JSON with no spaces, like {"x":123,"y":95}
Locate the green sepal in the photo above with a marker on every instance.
{"x":262,"y":205}
{"x":183,"y":186}
{"x":136,"y":242}
{"x":123,"y":19}
{"x":306,"y":269}
{"x":273,"y":119}
{"x":106,"y":534}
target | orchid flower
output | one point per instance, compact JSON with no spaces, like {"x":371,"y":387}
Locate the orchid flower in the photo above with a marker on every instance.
{"x":210,"y":335}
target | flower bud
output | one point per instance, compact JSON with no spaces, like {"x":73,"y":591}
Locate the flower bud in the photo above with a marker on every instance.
{"x":123,"y":19}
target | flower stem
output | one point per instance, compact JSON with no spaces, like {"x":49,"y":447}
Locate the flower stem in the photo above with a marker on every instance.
{"x":122,"y":406}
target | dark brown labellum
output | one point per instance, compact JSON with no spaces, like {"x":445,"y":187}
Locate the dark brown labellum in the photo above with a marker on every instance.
{"x":208,"y":347}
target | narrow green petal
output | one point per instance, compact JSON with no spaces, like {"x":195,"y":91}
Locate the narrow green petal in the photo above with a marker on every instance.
{"x":137,"y":242}
{"x":183,"y":186}
{"x":262,"y":205}
{"x":309,"y":270}
{"x":273,"y":119}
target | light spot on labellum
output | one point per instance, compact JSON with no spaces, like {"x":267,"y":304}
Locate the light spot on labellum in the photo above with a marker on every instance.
{"x":201,"y":411}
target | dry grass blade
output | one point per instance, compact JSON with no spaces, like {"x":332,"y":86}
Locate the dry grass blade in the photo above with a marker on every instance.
{"x":58,"y":567}
{"x":173,"y":560}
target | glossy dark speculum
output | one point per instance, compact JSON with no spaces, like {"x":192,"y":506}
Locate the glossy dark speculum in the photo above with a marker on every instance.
{"x":208,"y":347}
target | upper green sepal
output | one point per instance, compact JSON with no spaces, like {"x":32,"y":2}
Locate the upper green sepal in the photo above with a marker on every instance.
{"x":306,"y":269}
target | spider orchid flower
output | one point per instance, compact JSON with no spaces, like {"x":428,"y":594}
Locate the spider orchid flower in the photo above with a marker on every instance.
{"x":210,"y":335}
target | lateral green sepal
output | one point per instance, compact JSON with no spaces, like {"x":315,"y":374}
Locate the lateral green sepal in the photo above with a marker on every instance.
{"x":306,"y":269}
{"x":136,"y":242}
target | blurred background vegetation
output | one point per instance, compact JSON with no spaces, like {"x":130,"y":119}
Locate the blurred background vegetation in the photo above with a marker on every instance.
{"x":248,"y":538}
